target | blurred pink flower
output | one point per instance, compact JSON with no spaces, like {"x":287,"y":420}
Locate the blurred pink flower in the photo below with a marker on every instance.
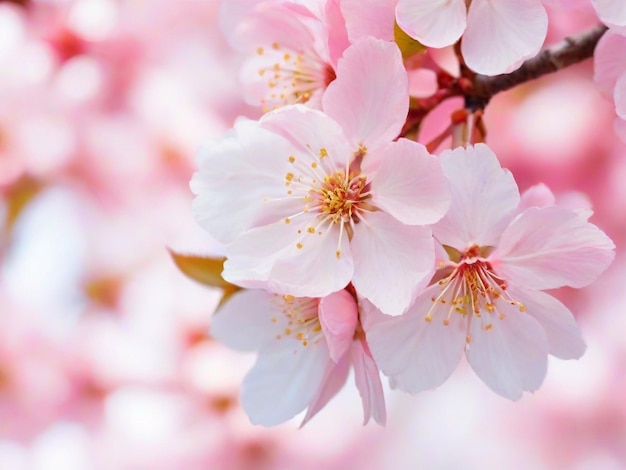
{"x":306,"y":347}
{"x":610,"y":69}
{"x":497,"y":35}
{"x":293,"y":47}
{"x":498,"y":251}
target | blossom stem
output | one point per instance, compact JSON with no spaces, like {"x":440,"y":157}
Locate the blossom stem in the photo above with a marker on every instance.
{"x":570,"y":51}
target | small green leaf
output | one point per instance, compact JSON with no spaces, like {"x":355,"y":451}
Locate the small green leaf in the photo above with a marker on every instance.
{"x":408,"y":46}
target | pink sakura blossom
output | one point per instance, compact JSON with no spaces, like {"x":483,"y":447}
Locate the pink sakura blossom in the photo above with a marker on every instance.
{"x":610,"y":69}
{"x":293,"y":47}
{"x":498,"y":35}
{"x":306,"y":347}
{"x":308,"y":202}
{"x":611,"y":12}
{"x":498,"y":252}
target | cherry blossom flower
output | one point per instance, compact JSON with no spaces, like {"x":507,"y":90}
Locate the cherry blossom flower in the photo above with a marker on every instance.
{"x":293,"y":47}
{"x":308,"y":203}
{"x":498,"y":252}
{"x":610,"y":69}
{"x":498,"y":35}
{"x":611,"y":12}
{"x":306,"y":347}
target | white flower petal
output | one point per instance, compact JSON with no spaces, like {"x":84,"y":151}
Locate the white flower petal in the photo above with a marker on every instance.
{"x":369,"y":18}
{"x":511,"y":356}
{"x":391,"y":261}
{"x":550,"y":247}
{"x":611,"y":12}
{"x":564,"y":339}
{"x":368,"y":382}
{"x":370,"y":96}
{"x":501,"y":34}
{"x":226,"y":202}
{"x":338,"y":316}
{"x":291,"y":260}
{"x":609,"y":62}
{"x":484,"y":198}
{"x":310,"y":131}
{"x":283,"y":382}
{"x":334,"y":379}
{"x":410,"y":185}
{"x":416,"y":354}
{"x":248,"y":321}
{"x":434,"y":23}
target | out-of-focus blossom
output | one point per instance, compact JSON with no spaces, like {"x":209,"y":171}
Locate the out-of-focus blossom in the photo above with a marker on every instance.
{"x":306,"y":347}
{"x":498,"y":35}
{"x":498,"y":252}
{"x":610,"y":69}
{"x":294,"y":49}
{"x":309,"y":203}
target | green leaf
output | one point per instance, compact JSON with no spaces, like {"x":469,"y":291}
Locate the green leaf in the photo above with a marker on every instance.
{"x":408,"y":46}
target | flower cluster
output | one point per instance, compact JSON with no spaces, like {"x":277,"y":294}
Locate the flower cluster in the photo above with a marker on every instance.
{"x":357,"y":247}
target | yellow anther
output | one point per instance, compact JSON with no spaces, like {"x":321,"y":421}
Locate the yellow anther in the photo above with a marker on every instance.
{"x":292,"y":159}
{"x":299,"y":246}
{"x":287,"y":220}
{"x":323,"y":152}
{"x":311,"y":230}
{"x":260,"y":51}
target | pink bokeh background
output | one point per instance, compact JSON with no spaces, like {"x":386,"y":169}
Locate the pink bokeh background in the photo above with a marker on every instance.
{"x":106,"y":360}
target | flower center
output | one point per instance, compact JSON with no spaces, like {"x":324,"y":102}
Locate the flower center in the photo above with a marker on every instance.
{"x":302,"y":319}
{"x":339,"y":197}
{"x":474,"y":290}
{"x":292,"y":77}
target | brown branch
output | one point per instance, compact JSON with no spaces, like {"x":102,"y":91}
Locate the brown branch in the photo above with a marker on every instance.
{"x":570,"y":51}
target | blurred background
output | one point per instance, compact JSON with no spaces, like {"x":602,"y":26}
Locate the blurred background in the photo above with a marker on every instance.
{"x":106,"y":361}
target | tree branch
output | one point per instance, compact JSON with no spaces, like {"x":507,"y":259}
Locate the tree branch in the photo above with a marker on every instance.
{"x":570,"y":51}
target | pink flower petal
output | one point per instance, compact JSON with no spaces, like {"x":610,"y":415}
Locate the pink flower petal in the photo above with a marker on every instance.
{"x":304,"y":265}
{"x":245,"y":323}
{"x":391,"y":261}
{"x":310,"y":131}
{"x":283,"y":382}
{"x":374,"y":18}
{"x":338,"y":316}
{"x":611,"y":12}
{"x":416,"y":354}
{"x":536,"y":196}
{"x":434,"y":23}
{"x":337,"y":34}
{"x":367,"y":378}
{"x":334,"y":379}
{"x":558,"y":323}
{"x":510,"y":356}
{"x":370,"y":98}
{"x":550,"y":247}
{"x":226,"y":203}
{"x":610,"y":62}
{"x":268,"y":23}
{"x":410,"y":185}
{"x":484,"y":198}
{"x":620,"y":96}
{"x":501,"y":34}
